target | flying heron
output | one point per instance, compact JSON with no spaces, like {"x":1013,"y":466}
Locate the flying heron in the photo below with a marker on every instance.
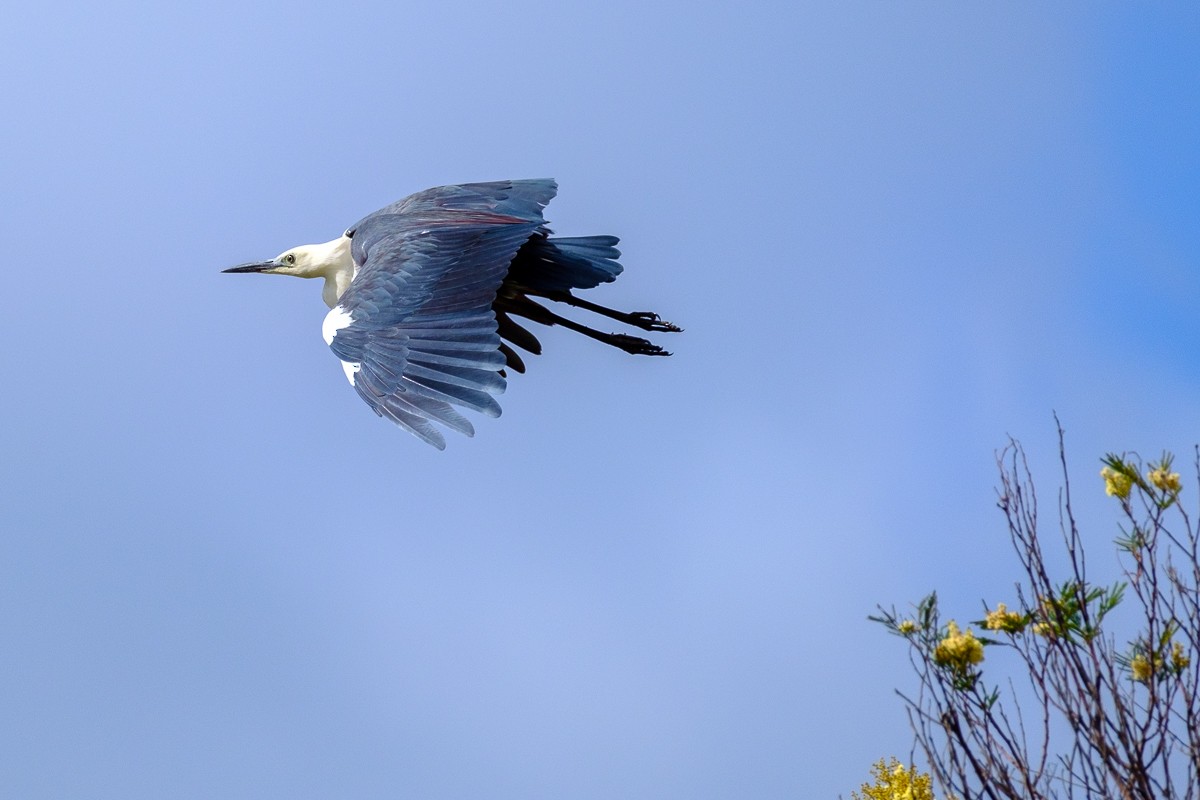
{"x":423,"y":294}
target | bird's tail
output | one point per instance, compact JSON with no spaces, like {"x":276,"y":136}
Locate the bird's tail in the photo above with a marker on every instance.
{"x":563,"y":263}
{"x":550,"y":268}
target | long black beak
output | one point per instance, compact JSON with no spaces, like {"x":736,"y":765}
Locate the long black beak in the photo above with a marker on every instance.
{"x":257,"y":266}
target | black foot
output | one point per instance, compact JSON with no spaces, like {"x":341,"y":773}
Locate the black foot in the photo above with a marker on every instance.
{"x":649,"y":321}
{"x":635,"y":345}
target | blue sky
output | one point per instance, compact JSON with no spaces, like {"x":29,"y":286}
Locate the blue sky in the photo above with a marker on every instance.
{"x":895,"y":233}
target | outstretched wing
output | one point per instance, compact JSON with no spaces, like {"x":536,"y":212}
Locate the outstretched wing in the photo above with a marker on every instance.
{"x":415,"y":331}
{"x":523,"y":199}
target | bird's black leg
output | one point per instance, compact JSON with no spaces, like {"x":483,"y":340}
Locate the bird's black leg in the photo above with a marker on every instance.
{"x":646,"y":320}
{"x":630,"y":344}
{"x":518,"y":304}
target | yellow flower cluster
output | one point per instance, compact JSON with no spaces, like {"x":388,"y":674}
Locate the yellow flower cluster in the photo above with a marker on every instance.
{"x":1179,"y":659}
{"x":1142,"y":666}
{"x":1004,"y":620}
{"x":1116,"y":484}
{"x":1048,"y":616}
{"x":894,"y":782}
{"x":907,"y":626}
{"x":958,"y":650}
{"x":1167,"y":481}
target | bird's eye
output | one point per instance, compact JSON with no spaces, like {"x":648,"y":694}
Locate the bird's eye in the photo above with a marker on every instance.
{"x":289,"y":259}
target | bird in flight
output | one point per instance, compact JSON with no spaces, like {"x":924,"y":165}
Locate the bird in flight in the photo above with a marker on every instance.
{"x":424,"y":293}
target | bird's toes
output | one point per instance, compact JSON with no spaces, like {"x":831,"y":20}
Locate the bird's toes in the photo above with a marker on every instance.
{"x":650,"y":321}
{"x":636,"y":345}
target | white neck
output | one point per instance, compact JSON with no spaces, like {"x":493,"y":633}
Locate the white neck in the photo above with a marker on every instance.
{"x":335,"y":265}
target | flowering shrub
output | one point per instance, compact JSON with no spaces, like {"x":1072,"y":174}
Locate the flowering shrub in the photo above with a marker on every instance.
{"x":1125,"y":718}
{"x":895,"y":782}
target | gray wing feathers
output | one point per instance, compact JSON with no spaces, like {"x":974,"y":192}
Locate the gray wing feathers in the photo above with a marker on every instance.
{"x":523,"y":199}
{"x":394,"y":380}
{"x":423,"y":332}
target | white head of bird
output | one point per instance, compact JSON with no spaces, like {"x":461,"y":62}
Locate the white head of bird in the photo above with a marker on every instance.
{"x":329,"y":260}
